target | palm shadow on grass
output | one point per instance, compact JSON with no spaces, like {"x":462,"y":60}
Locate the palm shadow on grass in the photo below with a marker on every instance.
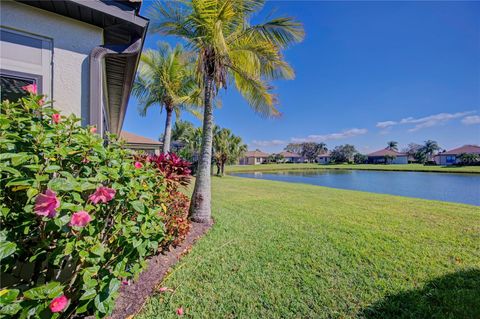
{"x":453,"y":296}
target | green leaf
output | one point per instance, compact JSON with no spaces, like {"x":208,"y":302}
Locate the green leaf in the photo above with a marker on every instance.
{"x":10,"y":309}
{"x":89,"y":294}
{"x":8,"y":295}
{"x":61,"y":184}
{"x":20,"y":159}
{"x":50,"y":290}
{"x":138,"y":206}
{"x":98,"y":250}
{"x":52,"y":168}
{"x":7,"y":248}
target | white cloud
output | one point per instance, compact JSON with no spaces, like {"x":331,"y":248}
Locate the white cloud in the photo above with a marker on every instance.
{"x":268,"y":143}
{"x":470,"y":120}
{"x":332,"y":136}
{"x":427,"y":121}
{"x":312,"y":138}
{"x":386,"y":124}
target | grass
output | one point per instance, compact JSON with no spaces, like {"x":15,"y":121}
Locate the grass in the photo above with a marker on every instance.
{"x":380,"y":167}
{"x":281,"y":250}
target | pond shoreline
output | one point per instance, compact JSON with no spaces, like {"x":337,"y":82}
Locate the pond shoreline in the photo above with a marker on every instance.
{"x":454,"y":188}
{"x":373,"y":167}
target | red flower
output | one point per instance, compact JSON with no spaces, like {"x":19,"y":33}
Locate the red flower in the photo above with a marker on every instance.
{"x":31,"y":88}
{"x":58,"y":304}
{"x":138,"y":165}
{"x":80,"y":219}
{"x":41,"y":101}
{"x":180,"y":311}
{"x":93,"y":130}
{"x":56,"y":118}
{"x":102,"y":194}
{"x":46,"y":204}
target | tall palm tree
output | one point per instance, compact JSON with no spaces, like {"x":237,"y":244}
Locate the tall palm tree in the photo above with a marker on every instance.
{"x":392,"y":145}
{"x":228,"y":49}
{"x":166,"y":77}
{"x":429,"y":148}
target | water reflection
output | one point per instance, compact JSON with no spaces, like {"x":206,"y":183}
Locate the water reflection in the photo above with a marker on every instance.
{"x":461,"y":188}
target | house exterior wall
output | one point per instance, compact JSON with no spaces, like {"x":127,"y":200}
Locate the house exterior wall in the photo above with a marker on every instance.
{"x":403,"y":159}
{"x":72,"y":42}
{"x":446,"y":160}
{"x":323,"y":160}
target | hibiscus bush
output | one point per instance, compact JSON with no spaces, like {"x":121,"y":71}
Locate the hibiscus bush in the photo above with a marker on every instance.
{"x":78,"y":216}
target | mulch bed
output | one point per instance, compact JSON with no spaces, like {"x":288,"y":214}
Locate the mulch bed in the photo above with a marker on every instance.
{"x":133,"y":297}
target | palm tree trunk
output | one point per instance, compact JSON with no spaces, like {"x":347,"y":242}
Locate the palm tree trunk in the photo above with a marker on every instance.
{"x":167,"y":136}
{"x":200,"y":205}
{"x":223,"y":169}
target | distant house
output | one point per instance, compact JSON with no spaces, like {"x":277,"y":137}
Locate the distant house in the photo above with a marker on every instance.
{"x":82,"y":54}
{"x":323,"y":158}
{"x":451,"y":157}
{"x":254,"y":158}
{"x":380,"y":157}
{"x":289,"y":157}
{"x":140,"y":143}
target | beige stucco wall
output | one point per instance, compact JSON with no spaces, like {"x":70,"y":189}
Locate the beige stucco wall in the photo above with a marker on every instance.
{"x":72,"y":42}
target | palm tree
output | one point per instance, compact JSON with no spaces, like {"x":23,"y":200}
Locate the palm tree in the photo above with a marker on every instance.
{"x":392,"y":145}
{"x":227,"y":148}
{"x":228,"y":49}
{"x":166,"y":77}
{"x":429,"y":148}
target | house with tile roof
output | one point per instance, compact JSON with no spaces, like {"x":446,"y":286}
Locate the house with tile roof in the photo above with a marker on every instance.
{"x":290,"y":157}
{"x":451,"y":157}
{"x":387,"y":156}
{"x":254,"y":158}
{"x":323,"y":158}
{"x":141,"y":143}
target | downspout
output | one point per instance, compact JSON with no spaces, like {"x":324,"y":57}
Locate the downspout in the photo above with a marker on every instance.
{"x":97,"y":55}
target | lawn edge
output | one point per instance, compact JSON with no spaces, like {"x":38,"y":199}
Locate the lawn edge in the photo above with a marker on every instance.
{"x":133,"y":297}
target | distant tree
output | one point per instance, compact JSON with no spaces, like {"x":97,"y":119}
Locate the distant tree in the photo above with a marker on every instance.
{"x":275,"y":158}
{"x":294,"y":148}
{"x":429,"y":148}
{"x":311,"y":150}
{"x":360,"y":158}
{"x":389,"y":158}
{"x":392,"y":145}
{"x":227,"y":148}
{"x":469,"y":159}
{"x":343,"y":153}
{"x":415,"y":151}
{"x":182,"y":130}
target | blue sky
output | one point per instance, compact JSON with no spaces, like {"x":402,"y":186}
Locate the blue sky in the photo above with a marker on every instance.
{"x":366,"y":73}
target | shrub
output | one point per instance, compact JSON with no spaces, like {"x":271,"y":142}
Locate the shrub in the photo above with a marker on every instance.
{"x":78,"y":216}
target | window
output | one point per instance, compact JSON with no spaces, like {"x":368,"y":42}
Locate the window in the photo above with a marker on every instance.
{"x":24,"y":59}
{"x":11,"y":85}
{"x":451,"y":159}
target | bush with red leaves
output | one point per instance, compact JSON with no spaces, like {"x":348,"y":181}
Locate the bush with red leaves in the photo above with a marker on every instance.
{"x":176,"y":218}
{"x":175,"y":169}
{"x":177,"y":173}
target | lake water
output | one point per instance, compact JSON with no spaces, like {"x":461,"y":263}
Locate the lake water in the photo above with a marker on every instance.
{"x":460,"y":188}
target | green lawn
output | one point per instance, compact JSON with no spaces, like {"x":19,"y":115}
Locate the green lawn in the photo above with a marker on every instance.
{"x":391,"y":167}
{"x":281,"y":250}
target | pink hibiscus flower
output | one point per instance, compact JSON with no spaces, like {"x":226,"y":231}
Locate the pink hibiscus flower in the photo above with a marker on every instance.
{"x":58,"y":304}
{"x":46,"y":204}
{"x":41,"y":101}
{"x":80,"y":219}
{"x":138,"y":165}
{"x":180,"y":311}
{"x":56,"y":118}
{"x":93,"y":130}
{"x":102,"y":194}
{"x":31,"y":88}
